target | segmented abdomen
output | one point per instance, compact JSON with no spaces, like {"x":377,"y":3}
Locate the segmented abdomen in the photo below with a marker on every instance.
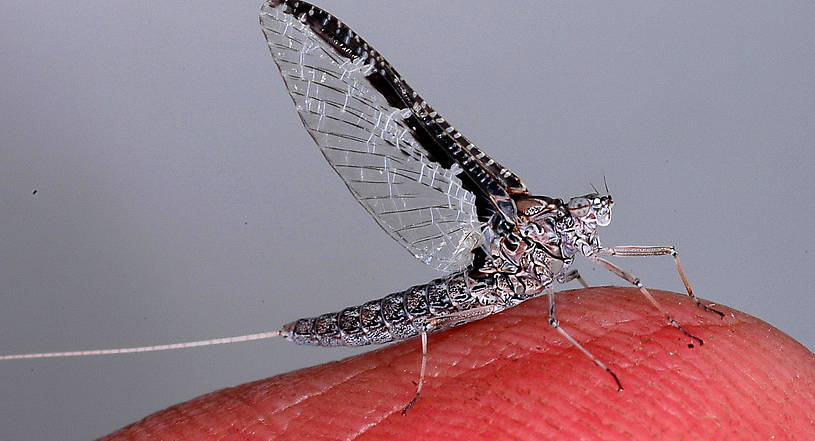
{"x":394,"y":317}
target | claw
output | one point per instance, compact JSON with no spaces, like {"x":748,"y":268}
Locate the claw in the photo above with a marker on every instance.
{"x":709,"y":309}
{"x":413,"y":401}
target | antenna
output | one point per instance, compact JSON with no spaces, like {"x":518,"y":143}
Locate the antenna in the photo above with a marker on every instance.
{"x":114,"y":351}
{"x":594,"y":188}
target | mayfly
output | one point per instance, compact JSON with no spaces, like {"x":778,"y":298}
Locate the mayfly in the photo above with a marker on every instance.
{"x":433,"y":191}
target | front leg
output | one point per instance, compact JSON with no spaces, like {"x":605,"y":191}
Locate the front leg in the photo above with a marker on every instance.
{"x":645,"y":251}
{"x":634,"y":280}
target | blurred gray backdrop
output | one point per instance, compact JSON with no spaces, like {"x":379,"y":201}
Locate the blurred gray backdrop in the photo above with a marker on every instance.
{"x":179,"y":198}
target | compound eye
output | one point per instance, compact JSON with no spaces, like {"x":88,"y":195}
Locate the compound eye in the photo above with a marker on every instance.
{"x":580,"y":211}
{"x":578,"y":203}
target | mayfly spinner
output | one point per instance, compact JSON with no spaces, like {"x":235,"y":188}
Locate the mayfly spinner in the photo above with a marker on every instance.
{"x":438,"y":195}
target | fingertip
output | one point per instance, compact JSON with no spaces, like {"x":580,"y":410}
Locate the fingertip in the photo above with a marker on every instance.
{"x":511,"y":376}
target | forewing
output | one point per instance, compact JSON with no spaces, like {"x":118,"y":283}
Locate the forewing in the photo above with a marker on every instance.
{"x":418,"y":201}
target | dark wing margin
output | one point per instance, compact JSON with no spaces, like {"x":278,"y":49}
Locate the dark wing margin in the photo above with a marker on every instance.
{"x":419,"y":202}
{"x":492,"y":184}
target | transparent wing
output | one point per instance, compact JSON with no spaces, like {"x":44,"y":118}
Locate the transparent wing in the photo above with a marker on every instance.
{"x":416,"y":200}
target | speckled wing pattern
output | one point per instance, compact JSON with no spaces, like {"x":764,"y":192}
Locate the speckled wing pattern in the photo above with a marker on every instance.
{"x":425,"y":184}
{"x":417,"y":201}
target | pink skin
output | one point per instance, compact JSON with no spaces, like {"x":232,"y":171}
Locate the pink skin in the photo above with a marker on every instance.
{"x":512,"y":377}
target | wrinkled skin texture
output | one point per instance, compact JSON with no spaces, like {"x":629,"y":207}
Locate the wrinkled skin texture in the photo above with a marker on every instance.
{"x":512,"y":377}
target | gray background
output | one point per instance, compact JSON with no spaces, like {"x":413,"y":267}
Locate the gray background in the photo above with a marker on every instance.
{"x":179,"y":198}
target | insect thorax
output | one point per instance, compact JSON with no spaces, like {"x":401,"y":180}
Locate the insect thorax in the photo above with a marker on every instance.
{"x":549,"y":233}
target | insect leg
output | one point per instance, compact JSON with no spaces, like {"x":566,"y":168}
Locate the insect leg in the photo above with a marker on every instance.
{"x":445,"y":322}
{"x":421,"y":374}
{"x":572,"y":275}
{"x":461,"y":317}
{"x":550,"y":292}
{"x":634,"y":280}
{"x":645,"y":251}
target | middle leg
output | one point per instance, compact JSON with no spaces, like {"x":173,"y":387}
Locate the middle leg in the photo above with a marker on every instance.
{"x":550,"y":292}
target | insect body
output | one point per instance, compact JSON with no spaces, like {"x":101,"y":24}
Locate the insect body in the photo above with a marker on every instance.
{"x":437,"y":194}
{"x":510,"y":270}
{"x":433,"y":191}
